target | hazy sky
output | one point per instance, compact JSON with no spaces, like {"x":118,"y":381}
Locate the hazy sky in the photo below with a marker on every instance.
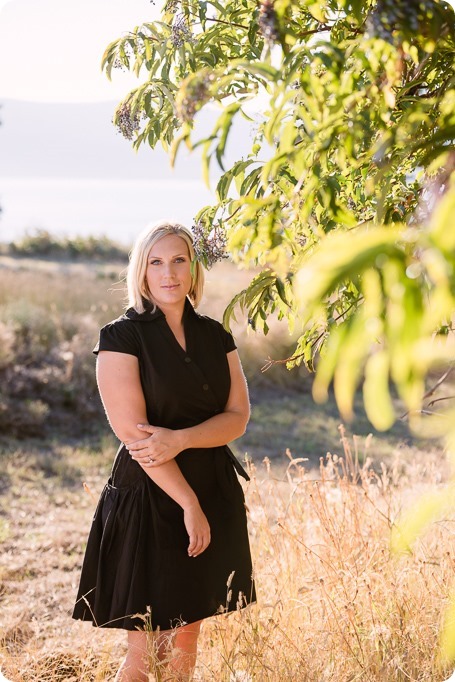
{"x":52,"y":48}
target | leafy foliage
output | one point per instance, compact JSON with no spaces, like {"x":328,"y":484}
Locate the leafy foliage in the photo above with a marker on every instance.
{"x":346,"y":197}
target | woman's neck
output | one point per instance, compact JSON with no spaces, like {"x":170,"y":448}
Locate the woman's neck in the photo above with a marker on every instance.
{"x":174,"y":315}
{"x":174,"y":320}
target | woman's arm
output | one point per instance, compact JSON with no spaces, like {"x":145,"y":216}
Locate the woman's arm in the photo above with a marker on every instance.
{"x":164,"y":444}
{"x":123,"y":399}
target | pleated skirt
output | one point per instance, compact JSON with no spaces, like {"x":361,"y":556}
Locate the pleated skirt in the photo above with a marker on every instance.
{"x":136,"y":571}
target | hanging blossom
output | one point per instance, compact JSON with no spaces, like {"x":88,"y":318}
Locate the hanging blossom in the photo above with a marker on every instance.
{"x":126,"y":123}
{"x":268,"y":21}
{"x":181,"y":32}
{"x":209,"y":247}
{"x":197,"y":92}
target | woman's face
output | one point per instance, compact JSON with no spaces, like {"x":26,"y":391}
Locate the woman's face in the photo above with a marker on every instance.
{"x":168,"y":273}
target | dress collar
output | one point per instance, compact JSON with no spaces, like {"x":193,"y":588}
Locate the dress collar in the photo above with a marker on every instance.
{"x":149,"y":314}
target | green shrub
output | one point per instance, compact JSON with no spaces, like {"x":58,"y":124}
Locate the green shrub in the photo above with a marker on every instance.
{"x":42,"y":243}
{"x":22,"y":418}
{"x":7,"y":344}
{"x":36,"y":331}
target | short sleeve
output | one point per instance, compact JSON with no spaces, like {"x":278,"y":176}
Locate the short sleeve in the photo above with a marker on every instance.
{"x":120,"y":337}
{"x":228,"y":340}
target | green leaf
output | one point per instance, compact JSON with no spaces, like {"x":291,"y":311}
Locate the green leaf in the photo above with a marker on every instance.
{"x":183,"y":137}
{"x":376,"y":393}
{"x":442,"y":226}
{"x":223,"y":127}
{"x":328,"y":363}
{"x":206,"y":162}
{"x":348,"y":136}
{"x":431,"y":506}
{"x":337,"y":259}
{"x":349,"y":365}
{"x":108,"y":57}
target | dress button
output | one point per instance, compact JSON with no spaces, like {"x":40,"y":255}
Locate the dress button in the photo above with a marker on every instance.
{"x":205,"y":387}
{"x":187,"y":359}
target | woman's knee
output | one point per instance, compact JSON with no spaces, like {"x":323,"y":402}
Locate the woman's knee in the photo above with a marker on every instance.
{"x":187,"y":635}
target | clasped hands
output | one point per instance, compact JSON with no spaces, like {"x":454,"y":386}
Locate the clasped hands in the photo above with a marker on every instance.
{"x":160,"y":447}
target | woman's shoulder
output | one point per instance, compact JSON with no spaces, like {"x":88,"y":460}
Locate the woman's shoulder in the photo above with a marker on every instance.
{"x":120,"y":335}
{"x":127,"y":321}
{"x":210,"y":325}
{"x":209,"y":322}
{"x":120,"y":322}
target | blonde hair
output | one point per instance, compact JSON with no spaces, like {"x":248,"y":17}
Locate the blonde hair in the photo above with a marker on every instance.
{"x":138,"y":291}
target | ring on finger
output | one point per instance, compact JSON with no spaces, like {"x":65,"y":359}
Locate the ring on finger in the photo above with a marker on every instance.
{"x":150,"y":460}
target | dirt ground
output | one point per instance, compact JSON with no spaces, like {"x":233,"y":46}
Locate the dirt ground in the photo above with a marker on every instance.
{"x":44,"y":525}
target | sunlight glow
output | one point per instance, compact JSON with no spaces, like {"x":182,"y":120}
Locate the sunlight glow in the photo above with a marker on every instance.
{"x":58,"y":48}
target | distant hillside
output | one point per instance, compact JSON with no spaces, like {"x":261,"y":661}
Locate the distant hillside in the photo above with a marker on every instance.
{"x":79,"y":140}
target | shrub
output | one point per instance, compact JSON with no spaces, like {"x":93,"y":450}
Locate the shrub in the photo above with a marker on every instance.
{"x":7,"y":342}
{"x":42,"y":243}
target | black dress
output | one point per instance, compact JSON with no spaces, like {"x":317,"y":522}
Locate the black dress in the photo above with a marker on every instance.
{"x":136,"y":561}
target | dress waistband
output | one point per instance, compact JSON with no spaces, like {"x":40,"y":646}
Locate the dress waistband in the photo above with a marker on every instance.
{"x":237,"y":466}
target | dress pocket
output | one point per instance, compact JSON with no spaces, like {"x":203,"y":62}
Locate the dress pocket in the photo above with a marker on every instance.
{"x":109,"y":497}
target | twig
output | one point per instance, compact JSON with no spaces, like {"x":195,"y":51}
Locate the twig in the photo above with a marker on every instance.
{"x":431,"y":391}
{"x":271,"y":362}
{"x":233,"y":214}
{"x":228,"y":23}
{"x":320,"y":29}
{"x":436,"y":400}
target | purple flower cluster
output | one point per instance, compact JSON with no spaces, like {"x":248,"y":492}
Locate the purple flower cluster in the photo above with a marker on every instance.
{"x":196,"y":94}
{"x":268,"y":21}
{"x":126,"y":123}
{"x":389,"y":18}
{"x":209,"y":247}
{"x":180,"y":31}
{"x":118,"y":64}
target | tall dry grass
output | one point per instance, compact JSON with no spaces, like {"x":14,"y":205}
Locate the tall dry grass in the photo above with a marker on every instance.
{"x":334,"y":604}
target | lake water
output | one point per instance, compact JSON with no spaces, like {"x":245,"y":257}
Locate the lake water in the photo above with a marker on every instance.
{"x":118,"y":209}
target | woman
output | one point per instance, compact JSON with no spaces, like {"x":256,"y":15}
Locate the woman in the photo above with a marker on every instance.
{"x":168,"y":546}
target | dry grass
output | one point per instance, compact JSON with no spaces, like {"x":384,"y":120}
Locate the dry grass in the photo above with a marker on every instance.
{"x":333,"y":603}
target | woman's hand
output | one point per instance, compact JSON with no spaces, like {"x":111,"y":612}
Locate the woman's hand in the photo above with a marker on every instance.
{"x":160,"y":447}
{"x":198,"y":529}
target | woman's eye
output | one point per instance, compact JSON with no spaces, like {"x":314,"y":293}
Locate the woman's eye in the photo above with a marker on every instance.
{"x":155,"y":262}
{"x":180,"y":260}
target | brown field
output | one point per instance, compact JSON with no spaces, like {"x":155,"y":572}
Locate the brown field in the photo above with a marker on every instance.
{"x":333,"y":603}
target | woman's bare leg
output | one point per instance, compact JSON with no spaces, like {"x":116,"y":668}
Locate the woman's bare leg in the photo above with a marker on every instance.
{"x":178,"y":650}
{"x":135,"y":666}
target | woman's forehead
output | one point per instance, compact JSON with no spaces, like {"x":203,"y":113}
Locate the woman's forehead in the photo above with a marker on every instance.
{"x":171,"y":244}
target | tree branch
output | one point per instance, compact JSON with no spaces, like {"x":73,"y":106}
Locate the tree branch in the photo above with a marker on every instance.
{"x":227,"y":23}
{"x":271,"y":362}
{"x":436,"y":400}
{"x":431,"y":392}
